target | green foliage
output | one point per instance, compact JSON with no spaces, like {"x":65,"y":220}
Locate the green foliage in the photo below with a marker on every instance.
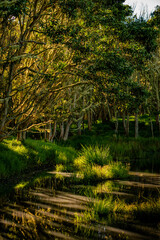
{"x":15,"y":156}
{"x":95,"y":163}
{"x":12,"y":8}
{"x":60,"y":168}
{"x":93,"y":155}
{"x":141,"y":31}
{"x":102,"y":207}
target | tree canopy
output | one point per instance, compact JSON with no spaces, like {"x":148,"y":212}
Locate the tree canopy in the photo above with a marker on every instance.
{"x":66,"y":60}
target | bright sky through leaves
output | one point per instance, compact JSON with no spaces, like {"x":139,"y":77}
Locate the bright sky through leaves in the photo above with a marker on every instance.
{"x":139,"y":5}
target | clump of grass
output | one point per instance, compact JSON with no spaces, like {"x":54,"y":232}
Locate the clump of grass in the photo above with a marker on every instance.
{"x":116,"y":170}
{"x":85,"y":217}
{"x":95,"y":163}
{"x":93,"y":155}
{"x":60,"y":168}
{"x":102,"y":207}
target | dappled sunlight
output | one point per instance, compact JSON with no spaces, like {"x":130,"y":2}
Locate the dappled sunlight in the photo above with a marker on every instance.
{"x":138,"y":184}
{"x":59,"y":209}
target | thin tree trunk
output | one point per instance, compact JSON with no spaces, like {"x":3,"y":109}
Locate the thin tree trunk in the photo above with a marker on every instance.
{"x":127,"y":126}
{"x":152,"y":132}
{"x":65,"y":138}
{"x":79,"y":127}
{"x":136,"y":125}
{"x":116,"y":124}
{"x":19,"y":136}
{"x":45,"y":134}
{"x":24,"y":135}
{"x":124,"y":123}
{"x":62,"y":130}
{"x":89,"y":121}
{"x":158,"y":122}
{"x":6,"y":100}
{"x":54,"y":132}
{"x":50,"y":131}
{"x":103,"y":114}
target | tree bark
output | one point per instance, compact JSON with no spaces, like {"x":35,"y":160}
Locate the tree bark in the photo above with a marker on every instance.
{"x":89,"y":121}
{"x":116,"y":123}
{"x":24,"y":135}
{"x":136,"y":125}
{"x":65,"y":138}
{"x":103,"y":114}
{"x":152,"y":132}
{"x":19,"y":136}
{"x":54,"y":132}
{"x":79,"y":127}
{"x":124,"y":122}
{"x":158,"y":122}
{"x":50,"y":131}
{"x":62,"y":130}
{"x":127,"y":126}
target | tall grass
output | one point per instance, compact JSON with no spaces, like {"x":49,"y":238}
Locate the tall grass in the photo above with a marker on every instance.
{"x":16,"y":156}
{"x":95,"y":163}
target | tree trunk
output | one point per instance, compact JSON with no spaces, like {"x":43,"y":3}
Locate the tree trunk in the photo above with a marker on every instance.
{"x":152,"y":132}
{"x":62,"y":130}
{"x":79,"y":127}
{"x":54,"y":132}
{"x":124,"y":123}
{"x":6,"y":100}
{"x":158,"y":122}
{"x":65,"y":138}
{"x":24,"y":135}
{"x":50,"y":131}
{"x":89,"y":121}
{"x":103,"y":114}
{"x":136,"y":125}
{"x":127,"y":126}
{"x":116,"y":124}
{"x":19,"y":136}
{"x":45,"y":134}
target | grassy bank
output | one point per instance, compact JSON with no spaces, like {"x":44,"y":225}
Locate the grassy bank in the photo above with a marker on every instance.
{"x":88,"y":154}
{"x":91,"y":164}
{"x":16,"y":157}
{"x":142,"y":153}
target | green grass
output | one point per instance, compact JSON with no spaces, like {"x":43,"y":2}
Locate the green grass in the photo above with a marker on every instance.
{"x":95,"y":163}
{"x":15,"y":156}
{"x":92,"y":155}
{"x":142,"y":153}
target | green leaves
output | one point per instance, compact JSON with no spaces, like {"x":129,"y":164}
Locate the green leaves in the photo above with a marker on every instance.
{"x":12,"y":8}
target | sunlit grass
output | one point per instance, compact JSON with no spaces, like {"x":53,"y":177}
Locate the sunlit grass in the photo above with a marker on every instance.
{"x":60,"y":168}
{"x":21,"y":185}
{"x":92,"y":155}
{"x":16,"y":156}
{"x":95,"y":163}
